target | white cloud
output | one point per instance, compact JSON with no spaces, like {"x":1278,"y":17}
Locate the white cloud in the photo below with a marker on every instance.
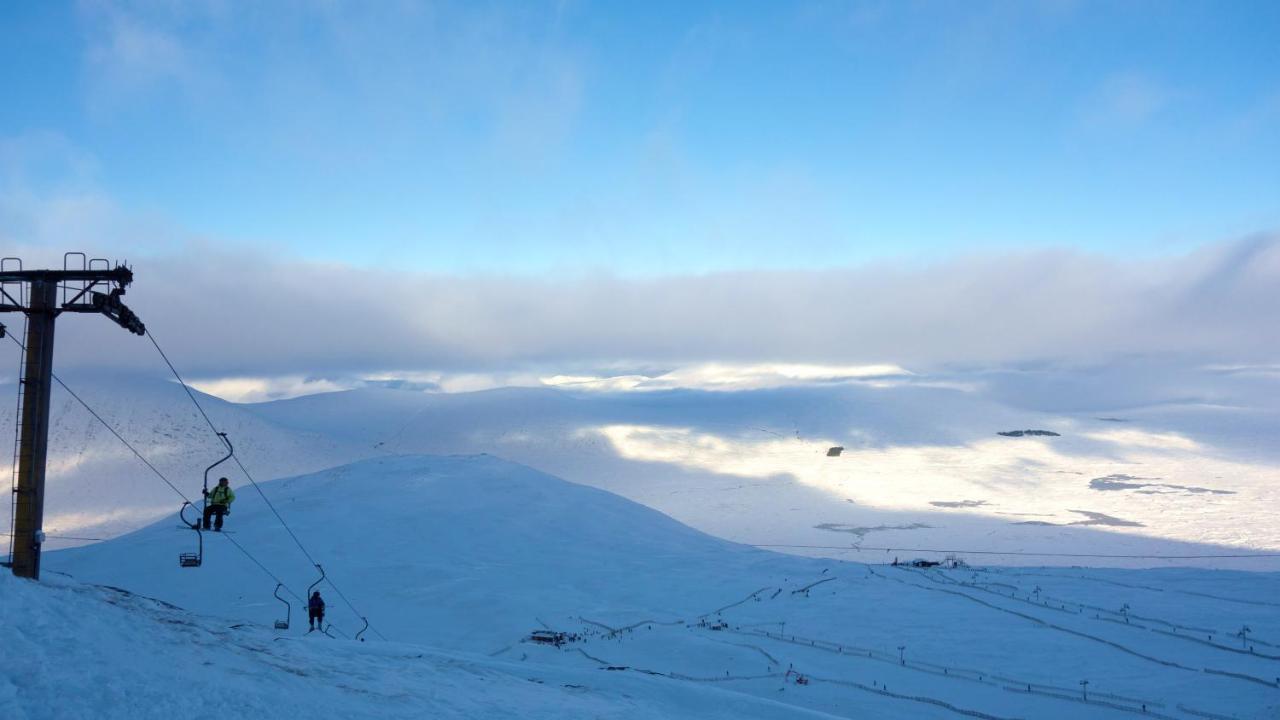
{"x":132,"y":51}
{"x":245,"y":315}
{"x":262,"y":389}
{"x":728,"y":377}
{"x":49,"y":197}
{"x":731,"y":377}
{"x":1144,"y":439}
{"x":740,"y":376}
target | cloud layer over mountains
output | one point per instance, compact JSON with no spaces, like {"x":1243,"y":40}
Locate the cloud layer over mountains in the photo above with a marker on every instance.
{"x":223,"y":314}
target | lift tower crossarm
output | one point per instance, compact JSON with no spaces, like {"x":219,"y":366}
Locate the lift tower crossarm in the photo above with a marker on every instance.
{"x":107,"y":303}
{"x":119,"y":275}
{"x":41,"y":309}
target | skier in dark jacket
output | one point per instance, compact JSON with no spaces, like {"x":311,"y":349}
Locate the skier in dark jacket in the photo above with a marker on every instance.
{"x":315,"y":610}
{"x":219,"y":504}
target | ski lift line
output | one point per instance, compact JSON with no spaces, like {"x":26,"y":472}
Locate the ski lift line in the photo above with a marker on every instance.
{"x":157,"y":472}
{"x":66,"y":537}
{"x":214,"y":428}
{"x":351,"y":606}
{"x":112,"y":430}
{"x":252,"y":481}
{"x":1028,"y":554}
{"x":182,"y":382}
{"x":298,"y":542}
{"x":279,"y":582}
{"x":120,"y":438}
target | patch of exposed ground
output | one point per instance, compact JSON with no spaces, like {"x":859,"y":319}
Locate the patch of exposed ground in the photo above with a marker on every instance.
{"x":958,"y":503}
{"x":1029,"y":433}
{"x":1091,"y":518}
{"x":1126,"y":482}
{"x":864,"y":531}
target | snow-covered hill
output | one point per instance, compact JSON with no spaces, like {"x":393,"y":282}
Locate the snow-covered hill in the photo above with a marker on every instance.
{"x":469,"y":554}
{"x":96,"y":488}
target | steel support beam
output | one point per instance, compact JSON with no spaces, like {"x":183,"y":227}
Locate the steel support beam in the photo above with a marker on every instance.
{"x":28,"y":520}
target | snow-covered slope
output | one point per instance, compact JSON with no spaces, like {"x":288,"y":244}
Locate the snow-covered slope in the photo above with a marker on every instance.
{"x":444,"y":540}
{"x":469,"y":554}
{"x":97,"y":488}
{"x":78,"y":652}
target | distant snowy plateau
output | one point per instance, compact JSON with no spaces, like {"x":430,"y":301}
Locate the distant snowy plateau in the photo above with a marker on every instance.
{"x":704,"y":552}
{"x":1133,"y":469}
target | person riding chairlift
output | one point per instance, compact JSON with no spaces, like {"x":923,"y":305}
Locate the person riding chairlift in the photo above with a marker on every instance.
{"x":219,"y":503}
{"x":315,"y":611}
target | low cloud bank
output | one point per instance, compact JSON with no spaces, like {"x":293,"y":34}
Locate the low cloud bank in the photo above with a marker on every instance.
{"x":222,"y":315}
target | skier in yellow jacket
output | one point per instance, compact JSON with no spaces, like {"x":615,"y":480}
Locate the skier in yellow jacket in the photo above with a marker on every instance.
{"x":218,"y":503}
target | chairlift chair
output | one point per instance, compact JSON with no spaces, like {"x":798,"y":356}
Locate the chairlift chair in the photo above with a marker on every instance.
{"x":288,"y":609}
{"x":196,"y":559}
{"x":317,"y":582}
{"x":306,"y":604}
{"x":186,"y":559}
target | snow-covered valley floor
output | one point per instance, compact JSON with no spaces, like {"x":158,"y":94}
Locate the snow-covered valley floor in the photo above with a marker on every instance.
{"x":456,"y":560}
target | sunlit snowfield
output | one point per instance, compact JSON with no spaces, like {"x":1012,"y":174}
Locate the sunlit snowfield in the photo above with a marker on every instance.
{"x":1130,"y":482}
{"x":1146,"y":460}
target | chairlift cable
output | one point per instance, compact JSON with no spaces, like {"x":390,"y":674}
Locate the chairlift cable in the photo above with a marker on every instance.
{"x":64,"y":537}
{"x":251,"y":479}
{"x":112,"y":430}
{"x":243,"y":469}
{"x":155,"y":470}
{"x":182,"y":382}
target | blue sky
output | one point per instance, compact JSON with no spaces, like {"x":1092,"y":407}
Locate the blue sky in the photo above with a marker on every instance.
{"x":647,"y":138}
{"x":344,"y":190}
